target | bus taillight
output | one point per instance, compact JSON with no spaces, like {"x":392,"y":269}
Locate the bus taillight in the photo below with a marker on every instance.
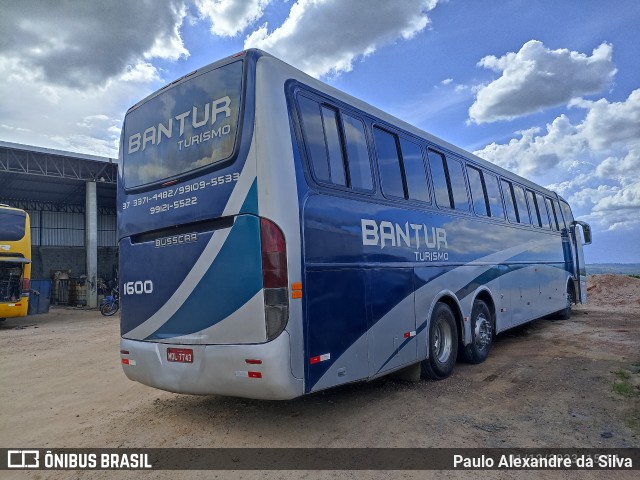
{"x":26,"y":286}
{"x":274,"y":278}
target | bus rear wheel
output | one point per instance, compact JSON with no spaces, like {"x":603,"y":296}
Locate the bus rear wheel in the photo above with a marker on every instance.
{"x":481,"y":334}
{"x":565,"y":313}
{"x":443,"y":344}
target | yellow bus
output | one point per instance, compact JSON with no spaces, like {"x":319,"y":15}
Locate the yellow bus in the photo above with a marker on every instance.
{"x":15,"y":262}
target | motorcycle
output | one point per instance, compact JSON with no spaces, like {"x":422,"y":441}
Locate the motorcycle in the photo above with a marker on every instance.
{"x":111,"y":303}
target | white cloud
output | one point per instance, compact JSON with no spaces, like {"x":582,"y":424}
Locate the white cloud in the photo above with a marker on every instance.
{"x":326,"y":36}
{"x":609,"y":123}
{"x":595,"y":163}
{"x":61,"y":117}
{"x":82,"y":44}
{"x":230,"y":17}
{"x":536,"y":78}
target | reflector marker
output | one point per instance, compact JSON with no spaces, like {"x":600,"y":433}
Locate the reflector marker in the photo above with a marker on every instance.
{"x":253,"y":361}
{"x":128,"y":361}
{"x":248,"y":374}
{"x":296,"y":290}
{"x":320,"y":358}
{"x":410,"y":334}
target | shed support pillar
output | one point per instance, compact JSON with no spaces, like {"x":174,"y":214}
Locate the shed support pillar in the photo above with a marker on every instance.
{"x":91,"y":243}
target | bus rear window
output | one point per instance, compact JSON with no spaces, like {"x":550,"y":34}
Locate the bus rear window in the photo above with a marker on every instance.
{"x":187,"y":127}
{"x":10,"y":281}
{"x":11,"y":226}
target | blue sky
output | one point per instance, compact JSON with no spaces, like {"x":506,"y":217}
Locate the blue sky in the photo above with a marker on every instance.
{"x":549,"y":89}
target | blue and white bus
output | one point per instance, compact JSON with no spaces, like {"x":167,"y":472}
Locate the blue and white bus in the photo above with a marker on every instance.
{"x":279,"y":237}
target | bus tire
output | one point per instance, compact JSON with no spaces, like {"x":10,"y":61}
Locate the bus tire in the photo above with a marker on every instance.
{"x":481,"y":334}
{"x":443,"y":344}
{"x":565,"y":313}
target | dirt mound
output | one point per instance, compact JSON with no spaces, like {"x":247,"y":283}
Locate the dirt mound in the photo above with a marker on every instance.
{"x":618,"y":290}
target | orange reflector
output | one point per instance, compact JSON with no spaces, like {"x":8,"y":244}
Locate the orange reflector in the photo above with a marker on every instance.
{"x":296,"y":286}
{"x":296,"y":294}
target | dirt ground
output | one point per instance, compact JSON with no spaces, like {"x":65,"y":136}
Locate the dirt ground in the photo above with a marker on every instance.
{"x":571,"y":383}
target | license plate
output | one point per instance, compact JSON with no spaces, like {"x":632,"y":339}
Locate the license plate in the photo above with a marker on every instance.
{"x":182,"y":355}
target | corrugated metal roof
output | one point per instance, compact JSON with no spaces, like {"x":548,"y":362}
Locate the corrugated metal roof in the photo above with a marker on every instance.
{"x":54,"y":177}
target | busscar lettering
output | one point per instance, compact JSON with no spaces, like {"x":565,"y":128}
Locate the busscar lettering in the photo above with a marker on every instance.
{"x":176,"y":240}
{"x":202,"y":116}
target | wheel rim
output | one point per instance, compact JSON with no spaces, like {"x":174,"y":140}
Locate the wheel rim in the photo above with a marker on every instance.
{"x":482,"y":333}
{"x":442,"y":341}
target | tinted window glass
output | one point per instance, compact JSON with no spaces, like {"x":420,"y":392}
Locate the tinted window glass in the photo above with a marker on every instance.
{"x":336,"y":162}
{"x":477,"y":191}
{"x":552,"y":214}
{"x":509,"y":201}
{"x":12,"y":225}
{"x":535,"y":213}
{"x":314,"y":137}
{"x":458,"y":187}
{"x":388,"y":163}
{"x":542,"y":209}
{"x":566,"y":213}
{"x":440,"y":185}
{"x":493,"y":194}
{"x":521,"y":202}
{"x":414,"y":170}
{"x":556,"y":209}
{"x":357,"y":153}
{"x":189,"y":126}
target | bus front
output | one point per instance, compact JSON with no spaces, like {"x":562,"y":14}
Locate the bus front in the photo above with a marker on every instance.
{"x":203,"y":277}
{"x":15,"y":262}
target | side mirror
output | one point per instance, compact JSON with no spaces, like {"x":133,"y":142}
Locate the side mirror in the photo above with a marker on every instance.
{"x":586,"y":231}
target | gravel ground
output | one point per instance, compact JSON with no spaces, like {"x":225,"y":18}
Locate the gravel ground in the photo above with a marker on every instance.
{"x":546,"y":384}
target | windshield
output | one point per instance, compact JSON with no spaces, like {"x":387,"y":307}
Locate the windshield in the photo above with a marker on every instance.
{"x":189,"y":126}
{"x":11,"y":225}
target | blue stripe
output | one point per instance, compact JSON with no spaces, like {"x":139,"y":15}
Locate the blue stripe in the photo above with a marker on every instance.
{"x":232,"y":280}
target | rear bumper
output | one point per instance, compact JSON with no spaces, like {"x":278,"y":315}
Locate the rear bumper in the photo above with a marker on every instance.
{"x":216,"y":369}
{"x":14,"y":309}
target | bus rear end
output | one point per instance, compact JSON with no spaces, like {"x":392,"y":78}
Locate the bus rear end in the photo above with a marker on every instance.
{"x":15,"y":262}
{"x":203,"y":277}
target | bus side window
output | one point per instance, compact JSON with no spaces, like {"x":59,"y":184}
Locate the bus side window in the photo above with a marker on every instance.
{"x":458,"y":185}
{"x":357,"y":153}
{"x":566,"y":213}
{"x":332,"y":136}
{"x":493,"y":195}
{"x":542,"y":208}
{"x":556,"y":208}
{"x":448,"y":181}
{"x":478,"y":198}
{"x":552,"y":214}
{"x":388,"y":163}
{"x":509,"y":201}
{"x":521,"y":202}
{"x":313,"y":131}
{"x":440,"y":183}
{"x":415,"y":174}
{"x":535,"y":213}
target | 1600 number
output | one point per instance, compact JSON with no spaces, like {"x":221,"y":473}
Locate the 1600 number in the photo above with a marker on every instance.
{"x":138,"y":288}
